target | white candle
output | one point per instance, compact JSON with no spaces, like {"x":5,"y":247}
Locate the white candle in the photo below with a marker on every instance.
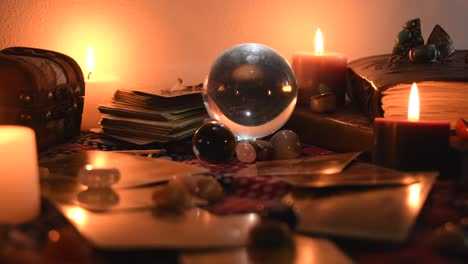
{"x":19,"y":175}
{"x":98,"y":90}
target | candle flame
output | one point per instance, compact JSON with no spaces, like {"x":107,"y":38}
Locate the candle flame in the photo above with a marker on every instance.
{"x":90,"y":61}
{"x":319,"y":42}
{"x":413,"y":105}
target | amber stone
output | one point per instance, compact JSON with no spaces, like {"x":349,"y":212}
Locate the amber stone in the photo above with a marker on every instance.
{"x":245,"y":152}
{"x":214,"y":143}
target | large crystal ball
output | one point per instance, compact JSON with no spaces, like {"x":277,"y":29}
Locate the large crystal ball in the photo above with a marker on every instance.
{"x":251,"y":89}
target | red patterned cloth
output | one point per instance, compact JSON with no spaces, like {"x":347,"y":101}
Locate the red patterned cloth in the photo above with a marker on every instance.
{"x":246,"y":193}
{"x":243,"y":193}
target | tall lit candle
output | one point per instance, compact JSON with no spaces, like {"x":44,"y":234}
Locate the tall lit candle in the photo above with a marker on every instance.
{"x":99,"y":89}
{"x":19,"y":175}
{"x":320,"y":72}
{"x":411,"y":144}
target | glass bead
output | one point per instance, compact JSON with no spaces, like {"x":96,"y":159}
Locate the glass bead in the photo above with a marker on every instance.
{"x":424,"y":54}
{"x":98,"y":177}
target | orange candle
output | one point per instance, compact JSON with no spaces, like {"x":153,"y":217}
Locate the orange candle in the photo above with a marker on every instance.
{"x":320,"y":72}
{"x":412,"y":144}
{"x":99,"y":89}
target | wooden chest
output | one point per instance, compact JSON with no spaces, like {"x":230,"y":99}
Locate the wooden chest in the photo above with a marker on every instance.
{"x":41,"y":89}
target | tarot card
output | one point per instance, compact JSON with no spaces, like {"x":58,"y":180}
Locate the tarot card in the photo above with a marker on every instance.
{"x":382,"y":214}
{"x":134,"y":170}
{"x":356,"y":174}
{"x":326,"y":164}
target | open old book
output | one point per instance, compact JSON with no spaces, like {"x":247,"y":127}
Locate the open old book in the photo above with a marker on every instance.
{"x":380,"y":87}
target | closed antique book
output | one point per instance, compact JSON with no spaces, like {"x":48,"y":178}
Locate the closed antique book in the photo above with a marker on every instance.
{"x":380,"y":87}
{"x":345,"y":130}
{"x":43,"y":90}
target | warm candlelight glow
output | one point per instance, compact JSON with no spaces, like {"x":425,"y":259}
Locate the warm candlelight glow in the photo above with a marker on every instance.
{"x":99,"y":88}
{"x":317,"y":69}
{"x":286,"y":89}
{"x":413,"y":105}
{"x":99,"y":160}
{"x":77,"y":214}
{"x":90,"y":62}
{"x":414,"y":195}
{"x":319,"y":42}
{"x":19,"y":172}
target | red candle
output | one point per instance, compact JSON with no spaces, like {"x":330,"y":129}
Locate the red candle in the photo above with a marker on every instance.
{"x":411,"y":145}
{"x":319,"y":72}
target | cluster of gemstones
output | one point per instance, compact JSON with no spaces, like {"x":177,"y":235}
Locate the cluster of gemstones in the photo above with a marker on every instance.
{"x":176,"y":196}
{"x":409,"y":44}
{"x":214,"y":143}
{"x":408,"y":38}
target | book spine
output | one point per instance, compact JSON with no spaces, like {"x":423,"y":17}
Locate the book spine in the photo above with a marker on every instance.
{"x":364,"y":96}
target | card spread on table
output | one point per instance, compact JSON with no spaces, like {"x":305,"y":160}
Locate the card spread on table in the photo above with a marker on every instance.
{"x":326,"y":164}
{"x":145,"y":229}
{"x":134,"y":170}
{"x":386,"y":214}
{"x":356,"y":174}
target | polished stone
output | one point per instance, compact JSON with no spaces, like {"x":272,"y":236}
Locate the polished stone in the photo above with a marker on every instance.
{"x":286,"y":144}
{"x":214,"y":143}
{"x":264,"y":150}
{"x":245,"y":152}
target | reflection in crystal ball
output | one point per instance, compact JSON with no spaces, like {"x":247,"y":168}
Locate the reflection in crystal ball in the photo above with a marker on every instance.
{"x":251,"y":89}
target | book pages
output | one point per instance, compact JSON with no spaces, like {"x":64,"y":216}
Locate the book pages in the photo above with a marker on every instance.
{"x":439,"y":101}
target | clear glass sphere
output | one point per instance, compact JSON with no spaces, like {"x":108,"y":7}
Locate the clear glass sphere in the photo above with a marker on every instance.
{"x":251,"y":89}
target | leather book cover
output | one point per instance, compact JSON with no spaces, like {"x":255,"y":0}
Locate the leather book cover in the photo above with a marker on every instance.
{"x":346,"y":130}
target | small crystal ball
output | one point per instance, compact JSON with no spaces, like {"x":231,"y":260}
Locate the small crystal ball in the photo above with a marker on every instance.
{"x":214,"y":143}
{"x":251,"y":89}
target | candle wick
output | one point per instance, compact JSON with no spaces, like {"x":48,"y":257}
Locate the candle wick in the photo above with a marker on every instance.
{"x":89,"y":75}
